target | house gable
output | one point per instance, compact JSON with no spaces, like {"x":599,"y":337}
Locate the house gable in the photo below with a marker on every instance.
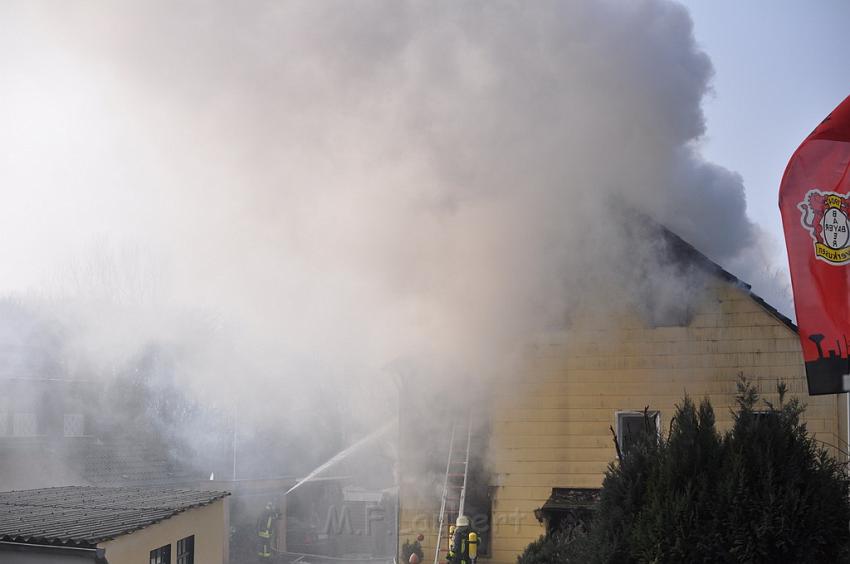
{"x":551,"y":421}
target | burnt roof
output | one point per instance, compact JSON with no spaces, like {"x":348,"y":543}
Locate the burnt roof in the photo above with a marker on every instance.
{"x":683,"y":252}
{"x":84,"y":516}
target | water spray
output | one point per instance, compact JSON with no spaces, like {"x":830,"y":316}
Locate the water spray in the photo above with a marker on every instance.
{"x":342,"y":455}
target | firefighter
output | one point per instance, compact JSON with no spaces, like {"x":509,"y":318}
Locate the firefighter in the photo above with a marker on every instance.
{"x":464,"y":545}
{"x":451,"y":553}
{"x":265,"y":532}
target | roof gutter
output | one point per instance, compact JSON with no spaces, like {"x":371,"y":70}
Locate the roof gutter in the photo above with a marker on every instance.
{"x":96,"y":554}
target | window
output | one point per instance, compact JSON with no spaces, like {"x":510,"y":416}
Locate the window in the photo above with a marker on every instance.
{"x":633,"y":425}
{"x":186,"y":550}
{"x":479,"y":508}
{"x":161,"y":555}
{"x":662,"y":304}
{"x":74,"y":425}
{"x":478,"y":505}
{"x":25,"y":425}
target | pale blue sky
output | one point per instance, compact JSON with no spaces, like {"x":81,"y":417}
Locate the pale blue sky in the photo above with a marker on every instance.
{"x":780,"y":67}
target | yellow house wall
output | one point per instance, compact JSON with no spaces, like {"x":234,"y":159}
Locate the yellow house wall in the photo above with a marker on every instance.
{"x":208,"y":523}
{"x":550,"y":424}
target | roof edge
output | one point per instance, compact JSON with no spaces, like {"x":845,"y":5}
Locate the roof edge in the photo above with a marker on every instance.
{"x":165,"y":518}
{"x":94,"y":539}
{"x":714,"y":268}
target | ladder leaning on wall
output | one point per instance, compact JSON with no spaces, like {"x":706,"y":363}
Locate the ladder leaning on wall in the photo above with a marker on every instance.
{"x":451,"y":504}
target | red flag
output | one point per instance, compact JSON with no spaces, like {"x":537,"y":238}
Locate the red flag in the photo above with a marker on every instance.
{"x":814,"y":199}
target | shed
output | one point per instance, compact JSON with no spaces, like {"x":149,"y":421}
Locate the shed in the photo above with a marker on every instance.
{"x":117,"y":525}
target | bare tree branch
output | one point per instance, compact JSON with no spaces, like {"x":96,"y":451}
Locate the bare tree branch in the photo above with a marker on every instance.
{"x":616,"y":444}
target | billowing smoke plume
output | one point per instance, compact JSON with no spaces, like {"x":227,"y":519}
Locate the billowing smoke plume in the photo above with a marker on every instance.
{"x":330,"y":191}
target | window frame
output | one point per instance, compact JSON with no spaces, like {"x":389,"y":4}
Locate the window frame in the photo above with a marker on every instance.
{"x":70,"y":420}
{"x":187,"y":557}
{"x":161,"y":555}
{"x":19,"y":416}
{"x":618,"y":424}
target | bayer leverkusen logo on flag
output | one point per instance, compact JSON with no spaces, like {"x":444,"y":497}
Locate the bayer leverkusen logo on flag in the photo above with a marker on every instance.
{"x":825,"y":217}
{"x":814,"y":199}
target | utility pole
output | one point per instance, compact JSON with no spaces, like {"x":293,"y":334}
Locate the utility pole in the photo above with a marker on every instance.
{"x":235,"y":426}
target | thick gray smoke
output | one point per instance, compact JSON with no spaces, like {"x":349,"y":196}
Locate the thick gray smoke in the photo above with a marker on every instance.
{"x":331,"y":190}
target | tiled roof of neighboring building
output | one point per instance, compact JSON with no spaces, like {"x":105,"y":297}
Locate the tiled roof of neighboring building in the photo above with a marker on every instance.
{"x":29,"y":462}
{"x":127,"y":464}
{"x":84,"y":516}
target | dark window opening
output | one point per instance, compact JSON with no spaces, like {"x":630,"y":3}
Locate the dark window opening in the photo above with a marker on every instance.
{"x":186,"y":550}
{"x":669,"y":315}
{"x":634,"y":426}
{"x":161,"y":555}
{"x":479,"y":508}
